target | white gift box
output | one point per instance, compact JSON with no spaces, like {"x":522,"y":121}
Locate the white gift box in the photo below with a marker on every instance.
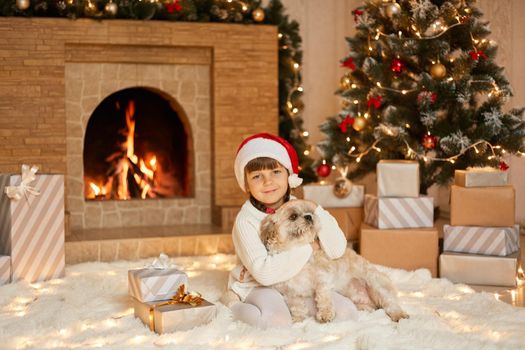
{"x":481,"y":177}
{"x":399,"y":212}
{"x":325,"y":197}
{"x":397,"y":178}
{"x":32,"y":226}
{"x":479,"y":269}
{"x":5,"y":269}
{"x":500,"y":241}
{"x":150,"y":284}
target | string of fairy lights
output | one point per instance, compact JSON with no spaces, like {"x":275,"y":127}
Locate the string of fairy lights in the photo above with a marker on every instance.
{"x":437,"y":29}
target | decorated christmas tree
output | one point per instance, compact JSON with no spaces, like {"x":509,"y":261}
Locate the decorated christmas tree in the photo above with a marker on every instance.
{"x":421,"y":83}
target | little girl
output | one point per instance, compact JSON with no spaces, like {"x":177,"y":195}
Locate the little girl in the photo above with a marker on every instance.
{"x":266,"y":167}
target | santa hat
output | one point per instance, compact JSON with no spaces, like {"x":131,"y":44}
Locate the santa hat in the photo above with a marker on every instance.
{"x":270,"y":146}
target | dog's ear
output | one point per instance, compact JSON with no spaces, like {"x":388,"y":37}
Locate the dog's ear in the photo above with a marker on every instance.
{"x":268,"y":232}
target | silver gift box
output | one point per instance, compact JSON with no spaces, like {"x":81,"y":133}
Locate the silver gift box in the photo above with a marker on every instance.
{"x":325,"y":197}
{"x":397,"y":178}
{"x":174,"y":317}
{"x":479,"y":269}
{"x":480,"y":178}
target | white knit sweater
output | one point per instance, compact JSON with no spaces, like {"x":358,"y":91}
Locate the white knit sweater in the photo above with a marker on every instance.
{"x":257,"y":268}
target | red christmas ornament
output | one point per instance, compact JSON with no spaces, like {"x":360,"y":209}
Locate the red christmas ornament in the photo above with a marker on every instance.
{"x":464,"y":19}
{"x":429,"y":141}
{"x":174,"y":6}
{"x":357,"y":13}
{"x":475,"y":55}
{"x":375,"y":101}
{"x":503,"y":166}
{"x":397,"y":65}
{"x":349,"y":63}
{"x":348,"y":121}
{"x":323,"y":170}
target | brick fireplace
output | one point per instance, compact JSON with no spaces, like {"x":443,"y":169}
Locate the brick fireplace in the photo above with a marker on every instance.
{"x":221,"y":78}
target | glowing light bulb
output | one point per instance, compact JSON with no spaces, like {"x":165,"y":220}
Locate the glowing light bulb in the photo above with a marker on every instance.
{"x":358,"y":159}
{"x":306,"y":133}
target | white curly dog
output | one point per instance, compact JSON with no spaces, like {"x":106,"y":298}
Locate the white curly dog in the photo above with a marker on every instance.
{"x":295,"y":223}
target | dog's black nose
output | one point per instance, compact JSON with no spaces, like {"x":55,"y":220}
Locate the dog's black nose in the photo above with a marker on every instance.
{"x":308,"y":217}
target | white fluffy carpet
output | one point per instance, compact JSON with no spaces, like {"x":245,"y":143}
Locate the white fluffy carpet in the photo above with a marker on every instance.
{"x":90,"y":308}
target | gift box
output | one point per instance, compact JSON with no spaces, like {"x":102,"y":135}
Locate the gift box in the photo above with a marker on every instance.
{"x":399,"y":212}
{"x":325,"y":197}
{"x":151,"y":284}
{"x":32,"y":229}
{"x":408,"y":249}
{"x":482,"y":206}
{"x":5,"y":269}
{"x":481,"y":240}
{"x":397,"y":178}
{"x":349,"y":220}
{"x":480,"y":177}
{"x":166,"y":317}
{"x":479,"y":269}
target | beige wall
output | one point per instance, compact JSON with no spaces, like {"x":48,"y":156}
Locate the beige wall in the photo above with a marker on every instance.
{"x":323,"y":29}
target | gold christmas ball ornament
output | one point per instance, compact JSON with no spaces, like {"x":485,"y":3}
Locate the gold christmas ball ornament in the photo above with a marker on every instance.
{"x":438,"y":71}
{"x":23,"y":4}
{"x":346,"y":82}
{"x":342,"y":187}
{"x":392,"y":9}
{"x":111,"y":8}
{"x":258,"y":15}
{"x":359,"y":123}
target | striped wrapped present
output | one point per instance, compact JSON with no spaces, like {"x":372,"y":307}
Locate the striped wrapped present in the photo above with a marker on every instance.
{"x":481,"y":240}
{"x":399,"y":212}
{"x":150,"y":284}
{"x":5,"y":269}
{"x":32,"y":224}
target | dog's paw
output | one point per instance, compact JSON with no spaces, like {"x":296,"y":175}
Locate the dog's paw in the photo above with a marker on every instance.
{"x":298,"y":318}
{"x":396,"y":314}
{"x":325,"y":315}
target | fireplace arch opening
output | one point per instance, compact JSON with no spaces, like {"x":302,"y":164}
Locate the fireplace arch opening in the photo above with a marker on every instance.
{"x":138,"y":145}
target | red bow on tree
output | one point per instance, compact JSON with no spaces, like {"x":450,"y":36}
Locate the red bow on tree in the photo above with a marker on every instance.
{"x":348,"y":121}
{"x":357,"y":13}
{"x":173,"y":6}
{"x":349,"y":63}
{"x":475,"y":55}
{"x":503,"y":166}
{"x":375,"y":101}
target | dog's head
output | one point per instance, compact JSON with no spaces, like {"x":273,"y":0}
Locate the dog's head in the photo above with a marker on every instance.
{"x":294,"y":223}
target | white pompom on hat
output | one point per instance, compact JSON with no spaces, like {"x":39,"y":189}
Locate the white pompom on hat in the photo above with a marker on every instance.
{"x":270,"y":146}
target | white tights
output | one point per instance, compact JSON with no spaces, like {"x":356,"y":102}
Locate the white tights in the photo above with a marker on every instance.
{"x":265,"y":307}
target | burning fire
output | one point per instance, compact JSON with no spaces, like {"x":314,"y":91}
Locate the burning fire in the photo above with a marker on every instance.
{"x":128,"y":176}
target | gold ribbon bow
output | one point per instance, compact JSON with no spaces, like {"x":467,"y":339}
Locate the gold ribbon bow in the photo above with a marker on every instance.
{"x":181,"y":297}
{"x":23,"y":190}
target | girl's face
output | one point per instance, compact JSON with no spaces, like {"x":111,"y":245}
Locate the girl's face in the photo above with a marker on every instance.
{"x":268,"y":186}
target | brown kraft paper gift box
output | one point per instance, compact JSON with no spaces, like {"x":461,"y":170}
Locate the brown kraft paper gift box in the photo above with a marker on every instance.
{"x":408,"y":249}
{"x":349,"y":220}
{"x":482,"y":206}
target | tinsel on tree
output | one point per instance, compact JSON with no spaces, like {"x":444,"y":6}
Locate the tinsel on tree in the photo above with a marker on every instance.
{"x":421,"y":83}
{"x":225,"y":11}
